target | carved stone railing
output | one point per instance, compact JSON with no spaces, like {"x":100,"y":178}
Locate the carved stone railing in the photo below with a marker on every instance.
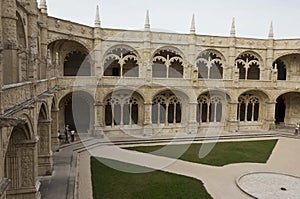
{"x":15,"y":94}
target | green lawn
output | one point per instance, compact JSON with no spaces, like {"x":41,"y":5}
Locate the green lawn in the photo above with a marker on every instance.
{"x":222,"y":154}
{"x":109,"y":183}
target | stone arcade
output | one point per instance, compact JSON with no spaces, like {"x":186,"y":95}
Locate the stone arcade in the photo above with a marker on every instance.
{"x":105,"y":81}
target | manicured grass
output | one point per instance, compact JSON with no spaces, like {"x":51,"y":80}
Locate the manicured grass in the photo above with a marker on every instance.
{"x":223,"y":153}
{"x":111,"y":183}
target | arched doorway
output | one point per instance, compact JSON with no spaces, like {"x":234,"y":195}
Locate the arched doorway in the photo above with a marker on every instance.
{"x":77,"y":110}
{"x":70,"y":58}
{"x":287,"y":67}
{"x":280,"y":110}
{"x":20,"y":164}
{"x":287,"y":109}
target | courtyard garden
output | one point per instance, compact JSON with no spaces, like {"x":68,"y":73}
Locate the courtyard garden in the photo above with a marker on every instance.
{"x":110,"y":183}
{"x":222,"y":153}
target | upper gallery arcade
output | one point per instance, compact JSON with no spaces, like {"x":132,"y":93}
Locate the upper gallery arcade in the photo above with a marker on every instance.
{"x":105,"y":81}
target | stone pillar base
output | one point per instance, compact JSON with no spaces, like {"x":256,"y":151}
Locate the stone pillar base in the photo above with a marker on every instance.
{"x":23,"y":193}
{"x":147,"y":131}
{"x":54,"y":144}
{"x":192,"y":128}
{"x":97,"y":133}
{"x":45,"y":165}
{"x":232,"y":126}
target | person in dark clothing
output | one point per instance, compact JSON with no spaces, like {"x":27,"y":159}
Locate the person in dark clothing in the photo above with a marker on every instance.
{"x":67,"y":135}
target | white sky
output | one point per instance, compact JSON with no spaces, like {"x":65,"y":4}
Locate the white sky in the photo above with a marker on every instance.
{"x":212,"y":17}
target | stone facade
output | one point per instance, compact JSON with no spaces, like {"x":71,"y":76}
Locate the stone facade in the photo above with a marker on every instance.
{"x":123,"y":83}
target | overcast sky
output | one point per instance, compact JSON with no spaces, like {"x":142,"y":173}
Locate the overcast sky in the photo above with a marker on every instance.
{"x":212,"y":16}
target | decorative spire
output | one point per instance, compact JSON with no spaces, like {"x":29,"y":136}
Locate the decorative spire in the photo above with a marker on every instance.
{"x":43,"y":6}
{"x":232,"y":31}
{"x":97,"y":18}
{"x":193,"y":26}
{"x":147,"y":21}
{"x":271,"y":31}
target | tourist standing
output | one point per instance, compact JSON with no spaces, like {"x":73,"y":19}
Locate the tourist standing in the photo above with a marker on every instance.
{"x":67,"y":134}
{"x":72,"y":135}
{"x":297,"y":129}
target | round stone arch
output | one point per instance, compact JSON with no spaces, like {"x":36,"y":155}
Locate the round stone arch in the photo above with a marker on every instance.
{"x":172,"y":49}
{"x":213,"y":50}
{"x":253,"y":52}
{"x":170,"y":106}
{"x":287,"y":66}
{"x":20,"y":163}
{"x":169,"y":62}
{"x":253,"y":72}
{"x":126,"y":46}
{"x":76,"y":109}
{"x":213,"y":106}
{"x":286,"y":53}
{"x":69,"y":39}
{"x":123,"y":107}
{"x":121,"y":60}
{"x":215,"y":60}
{"x":287,"y":108}
{"x":70,"y":57}
{"x":253,"y":108}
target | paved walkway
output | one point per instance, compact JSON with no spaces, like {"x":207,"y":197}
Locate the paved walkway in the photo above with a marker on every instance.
{"x":219,"y":181}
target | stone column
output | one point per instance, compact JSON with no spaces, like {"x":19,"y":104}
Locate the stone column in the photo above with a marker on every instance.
{"x":193,"y":125}
{"x":269,"y":122}
{"x":98,"y":68}
{"x":191,"y":59}
{"x":9,"y":34}
{"x":147,"y":118}
{"x":34,"y":72}
{"x":145,"y":70}
{"x":45,"y":73}
{"x":45,"y":163}
{"x":267,"y":74}
{"x":54,"y":130}
{"x":228,"y":70}
{"x":99,"y":119}
{"x":232,"y":122}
